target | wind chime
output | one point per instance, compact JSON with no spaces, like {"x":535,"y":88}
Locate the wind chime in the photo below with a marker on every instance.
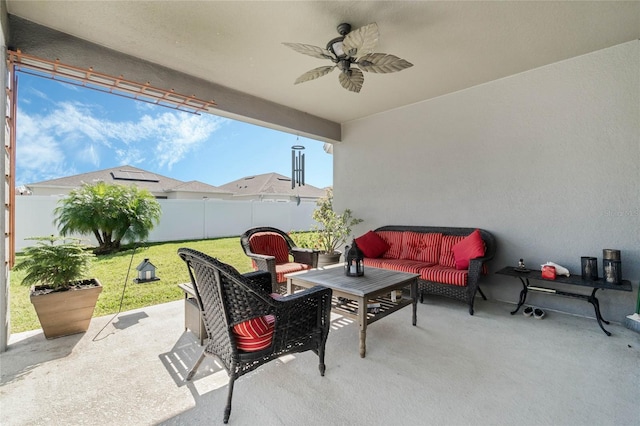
{"x":297,"y":166}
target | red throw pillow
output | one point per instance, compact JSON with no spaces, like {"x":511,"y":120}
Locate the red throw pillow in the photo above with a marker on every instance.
{"x":469,"y":248}
{"x":372,"y":245}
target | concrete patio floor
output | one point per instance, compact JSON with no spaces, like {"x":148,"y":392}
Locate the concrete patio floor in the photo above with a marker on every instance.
{"x":451,"y":369}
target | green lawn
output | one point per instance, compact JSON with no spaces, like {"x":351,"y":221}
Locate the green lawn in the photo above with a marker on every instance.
{"x":111,"y":270}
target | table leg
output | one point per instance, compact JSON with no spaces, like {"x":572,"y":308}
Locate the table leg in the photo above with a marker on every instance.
{"x":289,"y":286}
{"x":596,"y":306}
{"x":362,"y":322}
{"x":414,"y":299}
{"x":523,"y":294}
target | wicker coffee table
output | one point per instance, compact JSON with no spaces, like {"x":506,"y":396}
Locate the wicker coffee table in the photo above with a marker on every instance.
{"x":352,"y":294}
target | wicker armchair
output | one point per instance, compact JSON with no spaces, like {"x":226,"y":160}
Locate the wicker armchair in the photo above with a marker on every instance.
{"x":269,"y":250}
{"x":226,"y":298}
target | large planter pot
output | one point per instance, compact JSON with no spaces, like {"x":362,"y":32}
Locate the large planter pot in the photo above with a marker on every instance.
{"x":326,"y":259}
{"x":62,"y":313}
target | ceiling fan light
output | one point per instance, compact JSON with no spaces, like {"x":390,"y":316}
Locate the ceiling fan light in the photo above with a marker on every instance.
{"x":335,"y":47}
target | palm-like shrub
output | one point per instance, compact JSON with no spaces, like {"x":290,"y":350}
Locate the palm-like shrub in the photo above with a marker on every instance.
{"x":335,"y":228}
{"x":55,"y":266}
{"x":112,"y":213}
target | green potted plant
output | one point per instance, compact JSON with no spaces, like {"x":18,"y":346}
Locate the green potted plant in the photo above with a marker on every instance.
{"x":333,"y":229}
{"x":63,"y":298}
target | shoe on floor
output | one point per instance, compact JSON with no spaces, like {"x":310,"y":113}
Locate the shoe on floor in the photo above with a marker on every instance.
{"x":528,"y":311}
{"x":538,"y":313}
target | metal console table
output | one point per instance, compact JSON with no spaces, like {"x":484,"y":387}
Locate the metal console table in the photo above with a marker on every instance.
{"x":576,"y":280}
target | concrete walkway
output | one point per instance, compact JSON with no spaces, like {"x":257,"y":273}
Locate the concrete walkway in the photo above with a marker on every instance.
{"x":452,"y":369}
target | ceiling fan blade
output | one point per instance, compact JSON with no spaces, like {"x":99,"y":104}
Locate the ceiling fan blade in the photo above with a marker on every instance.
{"x":352,"y":80}
{"x":307,"y":49}
{"x":314,"y":73}
{"x":382,"y":63}
{"x":361,"y":41}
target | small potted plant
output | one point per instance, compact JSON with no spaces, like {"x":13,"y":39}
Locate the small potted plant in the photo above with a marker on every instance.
{"x":334,"y":230}
{"x":61,"y":295}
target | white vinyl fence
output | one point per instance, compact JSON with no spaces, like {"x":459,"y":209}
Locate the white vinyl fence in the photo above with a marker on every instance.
{"x":181,"y":219}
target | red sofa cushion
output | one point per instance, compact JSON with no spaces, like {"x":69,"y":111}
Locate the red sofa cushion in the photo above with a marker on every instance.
{"x":446,"y":253}
{"x":404,"y":265}
{"x":372,"y":245}
{"x":270,"y":244}
{"x":374,"y":263}
{"x":445,"y":275}
{"x":394,"y":240}
{"x":421,"y":246}
{"x":469,"y":248}
{"x":254,"y":334}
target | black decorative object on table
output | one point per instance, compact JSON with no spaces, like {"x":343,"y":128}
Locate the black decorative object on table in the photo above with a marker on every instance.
{"x":612,"y":266}
{"x":521,"y":267}
{"x":589,"y":267}
{"x":354,"y":261}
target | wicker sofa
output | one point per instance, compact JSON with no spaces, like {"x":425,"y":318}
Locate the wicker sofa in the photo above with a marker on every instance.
{"x":450,"y":261}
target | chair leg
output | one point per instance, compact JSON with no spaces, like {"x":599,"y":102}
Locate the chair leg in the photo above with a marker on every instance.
{"x":193,"y":370}
{"x":321,"y":366}
{"x":227,"y":410}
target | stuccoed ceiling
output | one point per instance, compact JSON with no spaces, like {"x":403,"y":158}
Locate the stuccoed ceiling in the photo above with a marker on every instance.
{"x":238,"y":44}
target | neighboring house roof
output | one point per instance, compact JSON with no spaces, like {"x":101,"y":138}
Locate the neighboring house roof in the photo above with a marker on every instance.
{"x":271,"y":184}
{"x":197,"y":186}
{"x":126,"y":175}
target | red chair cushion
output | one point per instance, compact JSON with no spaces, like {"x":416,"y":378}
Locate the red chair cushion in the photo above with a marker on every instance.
{"x":270,"y":244}
{"x":421,"y":246}
{"x":394,"y":240}
{"x":254,"y":334}
{"x":287,"y":268}
{"x":446,"y":254}
{"x":469,"y":248}
{"x":372,"y":245}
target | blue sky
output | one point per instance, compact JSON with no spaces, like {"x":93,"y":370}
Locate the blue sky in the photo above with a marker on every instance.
{"x":64,"y":130}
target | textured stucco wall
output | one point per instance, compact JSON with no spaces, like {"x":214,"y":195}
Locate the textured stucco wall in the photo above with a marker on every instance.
{"x":548,"y":160}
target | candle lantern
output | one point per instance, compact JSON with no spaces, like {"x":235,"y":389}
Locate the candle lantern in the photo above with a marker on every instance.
{"x":354,"y":261}
{"x":589,"y":268}
{"x":612,"y":266}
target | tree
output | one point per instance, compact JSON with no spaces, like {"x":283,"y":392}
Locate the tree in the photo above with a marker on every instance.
{"x":113,"y":213}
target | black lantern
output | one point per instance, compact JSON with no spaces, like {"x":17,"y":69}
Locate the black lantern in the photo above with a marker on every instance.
{"x":354,"y":261}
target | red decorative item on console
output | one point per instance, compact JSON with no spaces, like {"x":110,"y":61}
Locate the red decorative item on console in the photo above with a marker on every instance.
{"x":549,"y":272}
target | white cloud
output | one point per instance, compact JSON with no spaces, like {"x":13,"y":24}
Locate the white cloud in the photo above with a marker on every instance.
{"x":38,"y":153}
{"x":82,"y":134}
{"x":184,"y":133}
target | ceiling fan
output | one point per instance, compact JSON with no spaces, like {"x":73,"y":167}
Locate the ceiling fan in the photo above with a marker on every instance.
{"x":351,"y":48}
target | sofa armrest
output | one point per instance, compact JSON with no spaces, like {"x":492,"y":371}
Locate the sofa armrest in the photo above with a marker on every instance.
{"x":475,"y":270}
